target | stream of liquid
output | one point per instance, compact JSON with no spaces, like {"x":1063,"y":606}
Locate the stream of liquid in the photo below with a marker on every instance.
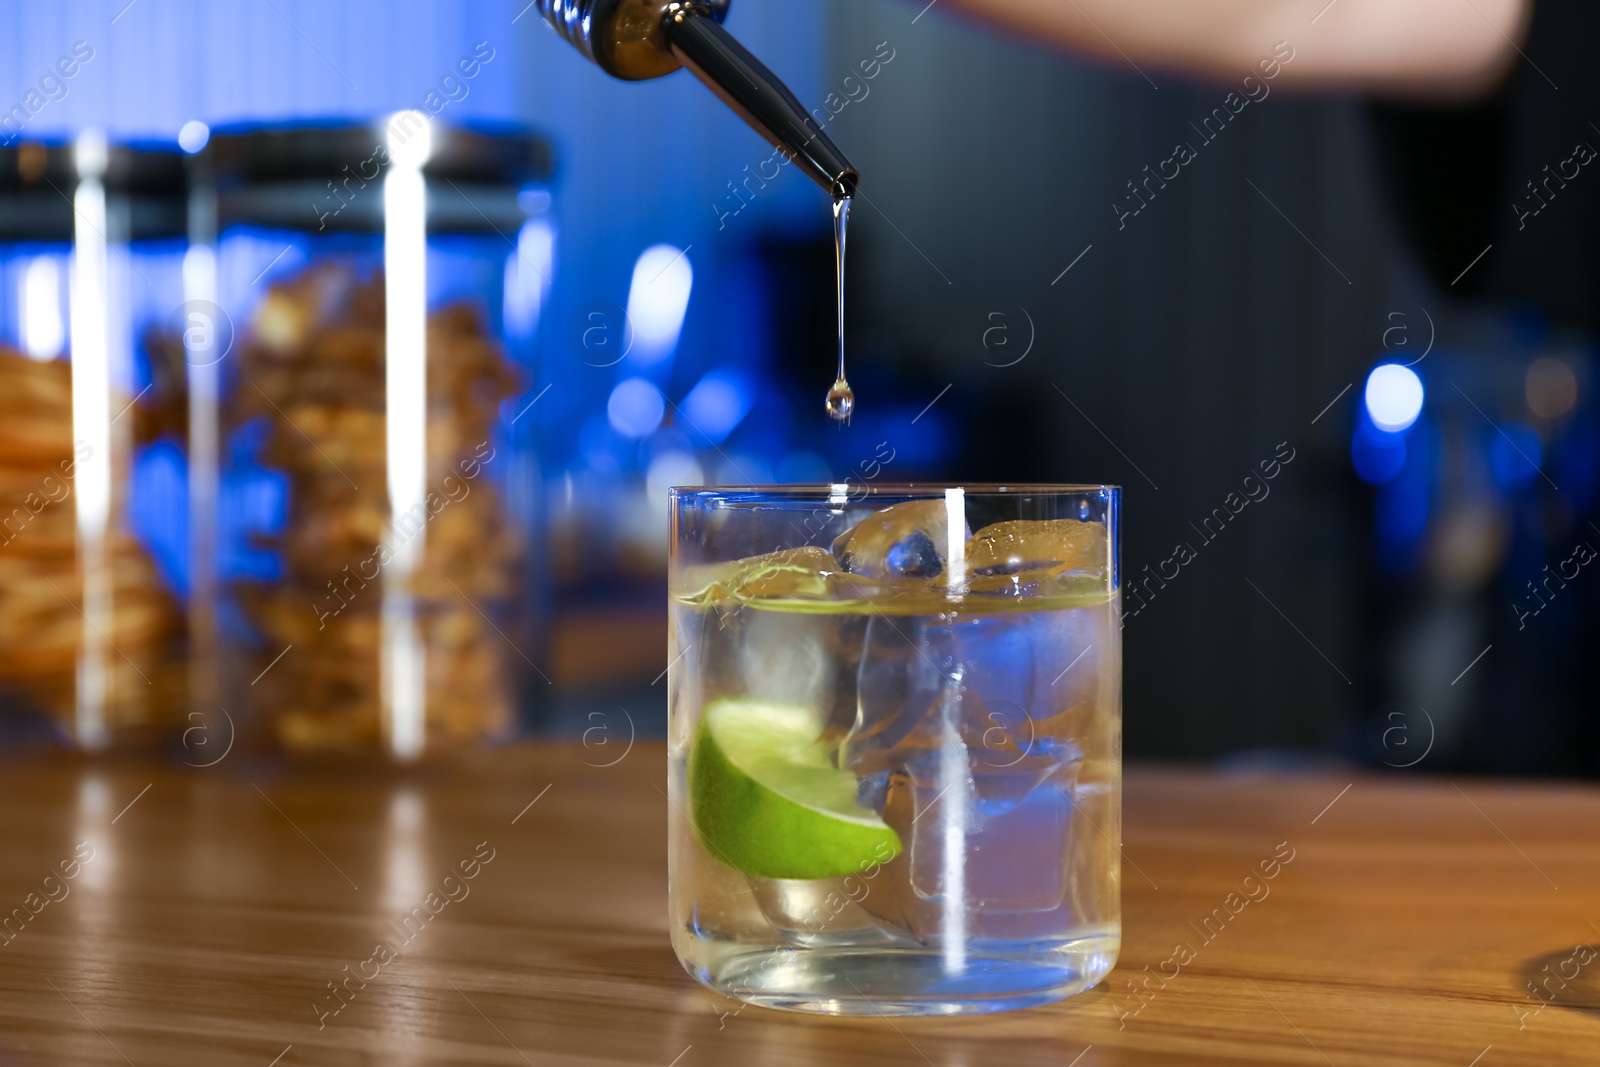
{"x":841,"y":399}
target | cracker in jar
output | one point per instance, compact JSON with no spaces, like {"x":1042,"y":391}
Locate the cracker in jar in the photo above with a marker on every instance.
{"x":45,"y":637}
{"x":316,"y":359}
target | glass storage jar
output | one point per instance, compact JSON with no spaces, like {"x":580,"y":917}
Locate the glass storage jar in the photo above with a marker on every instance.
{"x":92,"y":438}
{"x":377,"y":550}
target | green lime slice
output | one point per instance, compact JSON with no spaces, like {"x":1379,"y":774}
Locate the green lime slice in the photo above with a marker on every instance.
{"x":767,"y":801}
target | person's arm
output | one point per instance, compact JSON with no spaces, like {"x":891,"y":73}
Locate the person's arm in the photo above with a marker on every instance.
{"x":1443,"y":48}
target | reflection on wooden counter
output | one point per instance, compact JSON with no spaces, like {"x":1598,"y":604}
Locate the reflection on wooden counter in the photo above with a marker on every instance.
{"x":511,"y":909}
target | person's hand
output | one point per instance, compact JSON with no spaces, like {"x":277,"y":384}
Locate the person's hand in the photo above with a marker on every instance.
{"x":1439,"y":48}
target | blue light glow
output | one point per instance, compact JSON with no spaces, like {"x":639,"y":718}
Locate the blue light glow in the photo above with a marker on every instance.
{"x":743,"y":468}
{"x":1404,"y":503}
{"x":1515,"y":455}
{"x":600,"y":446}
{"x":1378,"y":456}
{"x":1576,"y":460}
{"x":804,"y":468}
{"x":635,"y":408}
{"x":718,"y":403}
{"x":672,"y":468}
{"x":158,"y":503}
{"x":253,"y":509}
{"x":666,"y":439}
{"x":534,"y":199}
{"x":658,"y":299}
{"x":1394,"y":397}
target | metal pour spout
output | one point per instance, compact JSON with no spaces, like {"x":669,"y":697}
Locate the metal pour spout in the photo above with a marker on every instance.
{"x":639,"y":39}
{"x":745,"y":84}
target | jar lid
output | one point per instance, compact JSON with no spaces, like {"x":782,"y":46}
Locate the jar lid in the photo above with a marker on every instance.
{"x":145,"y":180}
{"x":316,"y":176}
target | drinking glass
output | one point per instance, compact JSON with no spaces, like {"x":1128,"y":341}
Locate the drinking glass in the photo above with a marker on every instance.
{"x":895,"y":729}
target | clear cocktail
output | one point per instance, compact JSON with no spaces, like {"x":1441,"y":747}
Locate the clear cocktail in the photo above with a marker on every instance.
{"x":895,"y":745}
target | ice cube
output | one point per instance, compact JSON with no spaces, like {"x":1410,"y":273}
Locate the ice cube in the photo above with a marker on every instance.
{"x":820,"y":912}
{"x":989,"y":831}
{"x":912,"y":666}
{"x":909,"y":540}
{"x":950,"y":751}
{"x":958,"y":882}
{"x":1057,"y":546}
{"x":1014,"y":861}
{"x":784,"y":658}
{"x":1001,"y":781}
{"x":896,"y":684}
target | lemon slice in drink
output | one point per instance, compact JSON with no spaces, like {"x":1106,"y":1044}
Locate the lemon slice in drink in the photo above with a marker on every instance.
{"x":767,"y":801}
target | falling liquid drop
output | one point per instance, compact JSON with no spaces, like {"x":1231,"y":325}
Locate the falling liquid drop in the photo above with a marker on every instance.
{"x":841,"y":400}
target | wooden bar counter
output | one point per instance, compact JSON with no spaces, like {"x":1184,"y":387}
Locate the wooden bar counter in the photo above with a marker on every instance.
{"x":179,"y":915}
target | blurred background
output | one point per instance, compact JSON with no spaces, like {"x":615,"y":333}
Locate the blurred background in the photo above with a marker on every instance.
{"x":1345,"y":294}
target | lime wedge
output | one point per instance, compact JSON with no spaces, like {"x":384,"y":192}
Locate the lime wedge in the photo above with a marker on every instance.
{"x":767,"y":801}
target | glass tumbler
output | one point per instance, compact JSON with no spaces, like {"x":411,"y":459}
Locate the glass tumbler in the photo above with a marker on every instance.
{"x":895,"y":744}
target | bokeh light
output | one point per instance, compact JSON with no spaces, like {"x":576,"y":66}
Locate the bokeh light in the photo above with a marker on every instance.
{"x":658,"y":299}
{"x":1394,"y":397}
{"x":193,"y":136}
{"x":1551,"y":388}
{"x":672,"y":468}
{"x":718,"y":403}
{"x":635,"y":408}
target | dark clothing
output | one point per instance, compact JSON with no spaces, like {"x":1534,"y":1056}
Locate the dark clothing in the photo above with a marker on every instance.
{"x":1510,"y":172}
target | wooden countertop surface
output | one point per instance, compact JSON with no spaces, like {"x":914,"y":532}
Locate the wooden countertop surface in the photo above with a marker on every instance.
{"x":218,"y":902}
